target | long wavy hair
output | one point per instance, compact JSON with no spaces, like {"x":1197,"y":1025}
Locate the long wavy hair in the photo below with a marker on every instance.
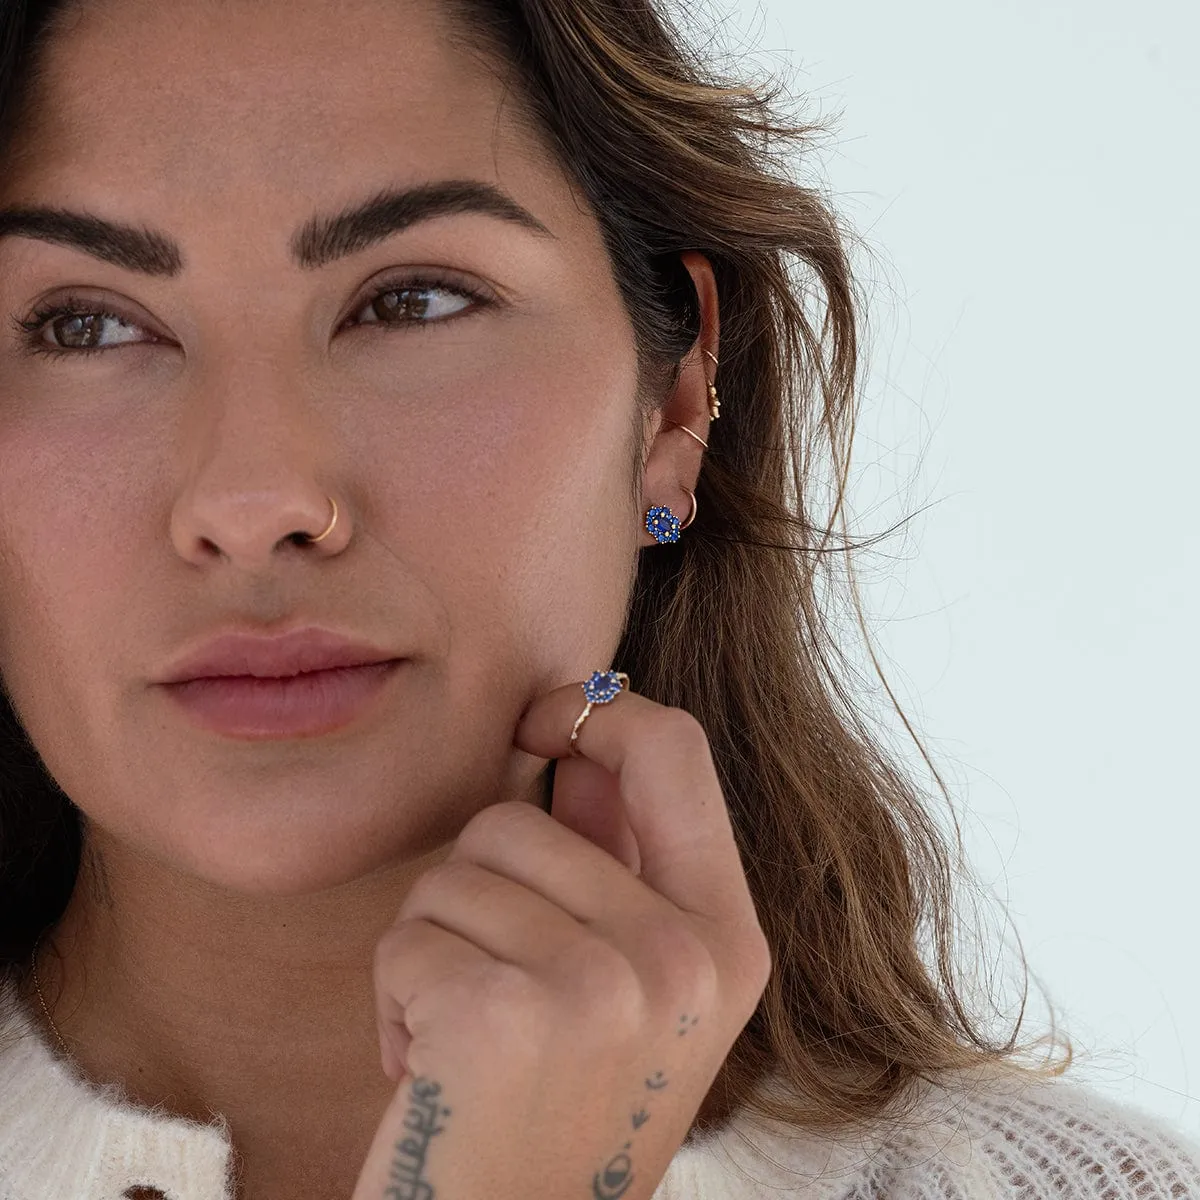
{"x":853,"y":879}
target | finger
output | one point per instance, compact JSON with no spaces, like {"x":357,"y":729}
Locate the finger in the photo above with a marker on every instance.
{"x":507,"y":920}
{"x":536,"y":895}
{"x":520,"y":842}
{"x":669,"y":787}
{"x":417,"y":963}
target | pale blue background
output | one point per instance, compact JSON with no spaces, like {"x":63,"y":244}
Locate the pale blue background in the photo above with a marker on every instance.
{"x":1025,"y":175}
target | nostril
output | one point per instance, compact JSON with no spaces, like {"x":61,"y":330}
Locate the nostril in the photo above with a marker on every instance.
{"x":141,"y":1191}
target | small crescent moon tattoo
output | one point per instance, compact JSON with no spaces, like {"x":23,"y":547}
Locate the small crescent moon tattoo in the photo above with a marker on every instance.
{"x":614,"y":1180}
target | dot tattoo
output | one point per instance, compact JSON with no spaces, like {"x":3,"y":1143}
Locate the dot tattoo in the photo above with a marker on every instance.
{"x":613,"y":1180}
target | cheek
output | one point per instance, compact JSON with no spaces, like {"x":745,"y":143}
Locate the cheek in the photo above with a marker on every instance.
{"x":510,"y":492}
{"x":504,"y":491}
{"x":66,"y":530}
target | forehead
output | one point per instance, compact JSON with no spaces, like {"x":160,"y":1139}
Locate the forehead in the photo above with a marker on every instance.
{"x":213,"y":100}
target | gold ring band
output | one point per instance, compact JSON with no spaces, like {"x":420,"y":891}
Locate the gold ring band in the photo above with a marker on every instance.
{"x":599,"y":677}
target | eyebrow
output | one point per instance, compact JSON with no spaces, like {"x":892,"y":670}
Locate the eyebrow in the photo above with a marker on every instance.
{"x":319,"y":241}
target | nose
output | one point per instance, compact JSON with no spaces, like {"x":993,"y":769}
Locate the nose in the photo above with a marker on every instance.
{"x":252,"y":463}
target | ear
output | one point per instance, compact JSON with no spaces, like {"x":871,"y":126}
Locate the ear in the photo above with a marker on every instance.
{"x":674,"y":457}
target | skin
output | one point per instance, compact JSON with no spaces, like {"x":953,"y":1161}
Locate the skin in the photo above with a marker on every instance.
{"x":217,"y":949}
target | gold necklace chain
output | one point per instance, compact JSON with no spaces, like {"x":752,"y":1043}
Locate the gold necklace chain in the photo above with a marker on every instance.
{"x":38,"y":986}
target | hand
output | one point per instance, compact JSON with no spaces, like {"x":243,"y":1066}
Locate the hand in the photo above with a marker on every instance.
{"x":556,"y":998}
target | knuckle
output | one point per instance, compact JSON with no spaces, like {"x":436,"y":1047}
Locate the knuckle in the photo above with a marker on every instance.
{"x":609,"y":1005}
{"x":758,"y":959}
{"x":673,"y":735}
{"x":685,"y":960}
{"x":494,"y":823}
{"x":423,"y":893}
{"x":684,"y":727}
{"x":511,"y":1007}
{"x":506,"y":985}
{"x":451,"y":877}
{"x":604,"y":979}
{"x":447,"y":1003}
{"x":399,"y":941}
{"x":393,"y":939}
{"x":386,"y":948}
{"x":702,"y":971}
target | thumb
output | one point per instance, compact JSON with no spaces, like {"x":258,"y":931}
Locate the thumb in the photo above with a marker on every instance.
{"x":587,"y":800}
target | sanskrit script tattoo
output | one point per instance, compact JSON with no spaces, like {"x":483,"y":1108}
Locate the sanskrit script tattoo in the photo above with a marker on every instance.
{"x":614,"y":1179}
{"x":406,"y":1180}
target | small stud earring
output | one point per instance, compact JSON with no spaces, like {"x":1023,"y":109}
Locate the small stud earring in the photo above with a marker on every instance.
{"x":663,"y":525}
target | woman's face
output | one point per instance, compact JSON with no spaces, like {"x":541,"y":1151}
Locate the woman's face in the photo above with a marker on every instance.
{"x":480,"y":453}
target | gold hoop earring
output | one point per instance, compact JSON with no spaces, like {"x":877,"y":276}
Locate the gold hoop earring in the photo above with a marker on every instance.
{"x":695,"y":507}
{"x":689,"y":432}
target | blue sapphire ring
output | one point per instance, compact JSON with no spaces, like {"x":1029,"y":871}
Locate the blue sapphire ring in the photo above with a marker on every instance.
{"x":602,"y":687}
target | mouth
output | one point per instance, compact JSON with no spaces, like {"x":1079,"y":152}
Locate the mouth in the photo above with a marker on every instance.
{"x":307,"y":704}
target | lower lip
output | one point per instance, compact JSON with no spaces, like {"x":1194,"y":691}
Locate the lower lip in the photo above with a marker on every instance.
{"x":304,"y":705}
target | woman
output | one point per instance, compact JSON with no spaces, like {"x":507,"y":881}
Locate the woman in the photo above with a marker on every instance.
{"x":377,"y":375}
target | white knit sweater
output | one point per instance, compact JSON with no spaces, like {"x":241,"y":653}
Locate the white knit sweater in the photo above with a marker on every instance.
{"x":63,"y":1138}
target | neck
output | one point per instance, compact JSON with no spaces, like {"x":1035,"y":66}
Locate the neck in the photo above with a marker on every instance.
{"x":195,"y":1000}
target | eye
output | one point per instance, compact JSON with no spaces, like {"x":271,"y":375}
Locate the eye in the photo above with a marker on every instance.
{"x":413,"y":301}
{"x":76,"y":326}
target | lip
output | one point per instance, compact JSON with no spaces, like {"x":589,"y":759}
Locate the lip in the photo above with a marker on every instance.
{"x":300,"y":650}
{"x":303,"y":683}
{"x":305,"y":705}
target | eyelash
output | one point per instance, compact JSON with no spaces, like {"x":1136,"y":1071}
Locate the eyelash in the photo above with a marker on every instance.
{"x":30,"y":330}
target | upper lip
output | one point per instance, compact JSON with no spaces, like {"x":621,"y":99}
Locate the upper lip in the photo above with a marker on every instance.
{"x":308,"y":649}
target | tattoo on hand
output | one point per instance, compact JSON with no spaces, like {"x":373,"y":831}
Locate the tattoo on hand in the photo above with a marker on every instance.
{"x":408,"y":1166}
{"x":613,"y":1180}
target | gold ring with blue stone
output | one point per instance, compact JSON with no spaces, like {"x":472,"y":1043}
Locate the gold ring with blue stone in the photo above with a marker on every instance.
{"x":601,"y":687}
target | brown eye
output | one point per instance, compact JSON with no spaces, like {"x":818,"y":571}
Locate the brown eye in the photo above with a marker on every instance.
{"x":78,"y":332}
{"x":75,"y":326}
{"x":417,"y":302}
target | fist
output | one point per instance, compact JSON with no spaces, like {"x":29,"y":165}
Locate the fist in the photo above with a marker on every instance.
{"x":556,"y":997}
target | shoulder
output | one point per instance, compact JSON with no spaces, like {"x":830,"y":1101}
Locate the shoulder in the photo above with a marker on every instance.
{"x":986,"y":1135}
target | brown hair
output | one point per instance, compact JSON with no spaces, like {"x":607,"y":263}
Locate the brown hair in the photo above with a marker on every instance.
{"x":848,"y":868}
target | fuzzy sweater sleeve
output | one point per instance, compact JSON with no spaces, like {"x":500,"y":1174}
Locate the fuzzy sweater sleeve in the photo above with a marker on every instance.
{"x":987,"y":1137}
{"x":981,"y":1138}
{"x":1055,"y":1138}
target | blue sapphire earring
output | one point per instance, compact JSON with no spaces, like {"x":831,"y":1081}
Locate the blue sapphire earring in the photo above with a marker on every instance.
{"x":663,"y":525}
